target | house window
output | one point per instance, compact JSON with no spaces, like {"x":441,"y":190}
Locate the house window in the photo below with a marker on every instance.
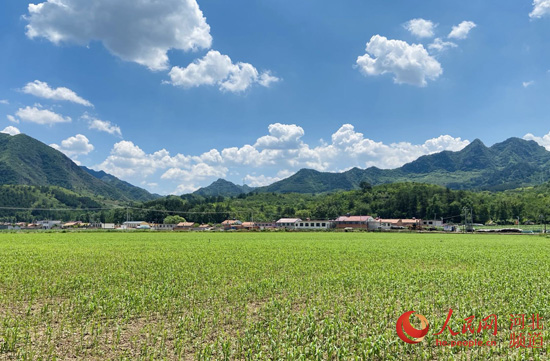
{"x":322,"y":224}
{"x":318,"y":224}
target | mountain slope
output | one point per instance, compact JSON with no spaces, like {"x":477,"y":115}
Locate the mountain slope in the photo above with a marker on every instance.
{"x":27,"y":161}
{"x":133,"y":192}
{"x":506,"y":165}
{"x":221,"y":187}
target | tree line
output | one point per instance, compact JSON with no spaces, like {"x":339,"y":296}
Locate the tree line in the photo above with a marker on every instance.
{"x":397,"y":200}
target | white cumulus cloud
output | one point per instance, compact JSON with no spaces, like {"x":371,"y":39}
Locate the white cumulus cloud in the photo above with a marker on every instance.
{"x":196,"y":172}
{"x":43,"y":90}
{"x":102,"y":125}
{"x":218,"y":69}
{"x":12,"y":119}
{"x":263,"y":180}
{"x":527,"y":84}
{"x":40,"y":116}
{"x":462,"y":30}
{"x":11,"y":130}
{"x":140,"y":31}
{"x":281,"y":136}
{"x":269,"y":158}
{"x":74,"y":146}
{"x":4,"y":101}
{"x":439,"y":45}
{"x":420,"y":28}
{"x":540,"y":8}
{"x":128,"y":160}
{"x":543,"y":141}
{"x":410,"y":64}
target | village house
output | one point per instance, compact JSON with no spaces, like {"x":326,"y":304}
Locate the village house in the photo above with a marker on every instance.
{"x":265,"y":225}
{"x":100,"y":225}
{"x":249,"y":226}
{"x":134,"y":224}
{"x":431,"y":223}
{"x":46,"y":224}
{"x":287,"y":223}
{"x":358,"y":222}
{"x":314,"y":224}
{"x":73,"y":224}
{"x":184,"y":226}
{"x":164,"y":226}
{"x":203,"y":227}
{"x":231,"y":224}
{"x":410,"y":223}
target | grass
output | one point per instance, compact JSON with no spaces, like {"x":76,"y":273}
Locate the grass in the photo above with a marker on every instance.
{"x":257,"y":296}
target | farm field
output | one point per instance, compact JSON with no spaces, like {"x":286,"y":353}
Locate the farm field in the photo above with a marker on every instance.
{"x":258,"y":296}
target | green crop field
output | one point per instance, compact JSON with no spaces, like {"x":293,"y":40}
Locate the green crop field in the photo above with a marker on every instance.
{"x":267,"y":296}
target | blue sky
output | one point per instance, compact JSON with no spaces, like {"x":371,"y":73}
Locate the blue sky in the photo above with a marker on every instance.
{"x":172,"y":96}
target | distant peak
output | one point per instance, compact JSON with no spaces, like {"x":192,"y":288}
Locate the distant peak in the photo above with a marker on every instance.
{"x":476,"y":142}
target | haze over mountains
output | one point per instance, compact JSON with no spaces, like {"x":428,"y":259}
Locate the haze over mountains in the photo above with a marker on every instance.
{"x":510,"y":164}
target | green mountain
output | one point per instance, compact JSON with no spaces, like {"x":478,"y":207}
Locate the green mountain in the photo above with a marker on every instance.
{"x":135,"y":193}
{"x":27,"y":161}
{"x":506,"y":165}
{"x":221,"y":187}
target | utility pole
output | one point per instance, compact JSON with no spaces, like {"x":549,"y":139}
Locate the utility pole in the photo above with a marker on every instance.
{"x":465,"y":210}
{"x":468,"y":219}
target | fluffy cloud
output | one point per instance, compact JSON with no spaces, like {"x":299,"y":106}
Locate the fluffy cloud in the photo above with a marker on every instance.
{"x":270,"y":158}
{"x":102,"y":125}
{"x":439,"y":45}
{"x":410,"y":64}
{"x":40,"y":116}
{"x":12,"y":119}
{"x":43,"y":90}
{"x":217,"y":69}
{"x":196,"y":172}
{"x":461,"y":30}
{"x":544,"y":140}
{"x":74,"y":146}
{"x":420,"y":28}
{"x":527,"y":84}
{"x":540,"y":8}
{"x":4,"y":101}
{"x":371,"y":153}
{"x":10,"y":130}
{"x":138,"y":31}
{"x":281,"y":136}
{"x":262,"y":180}
{"x":127,"y":160}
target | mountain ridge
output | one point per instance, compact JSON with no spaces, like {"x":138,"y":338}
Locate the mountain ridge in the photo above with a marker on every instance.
{"x":512,"y":163}
{"x":27,"y":161}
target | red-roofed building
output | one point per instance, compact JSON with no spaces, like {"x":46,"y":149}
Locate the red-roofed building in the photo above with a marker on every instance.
{"x":352,"y":221}
{"x":232,"y":224}
{"x":184,"y":226}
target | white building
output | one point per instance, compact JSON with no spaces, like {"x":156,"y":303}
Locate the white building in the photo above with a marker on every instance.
{"x":265,"y":225}
{"x":431,"y":223}
{"x":164,"y":227}
{"x":288,"y":223}
{"x":48,"y":224}
{"x":314,"y":224}
{"x":134,"y":224}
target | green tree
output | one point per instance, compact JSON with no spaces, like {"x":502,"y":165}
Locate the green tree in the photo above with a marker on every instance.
{"x":175,"y":219}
